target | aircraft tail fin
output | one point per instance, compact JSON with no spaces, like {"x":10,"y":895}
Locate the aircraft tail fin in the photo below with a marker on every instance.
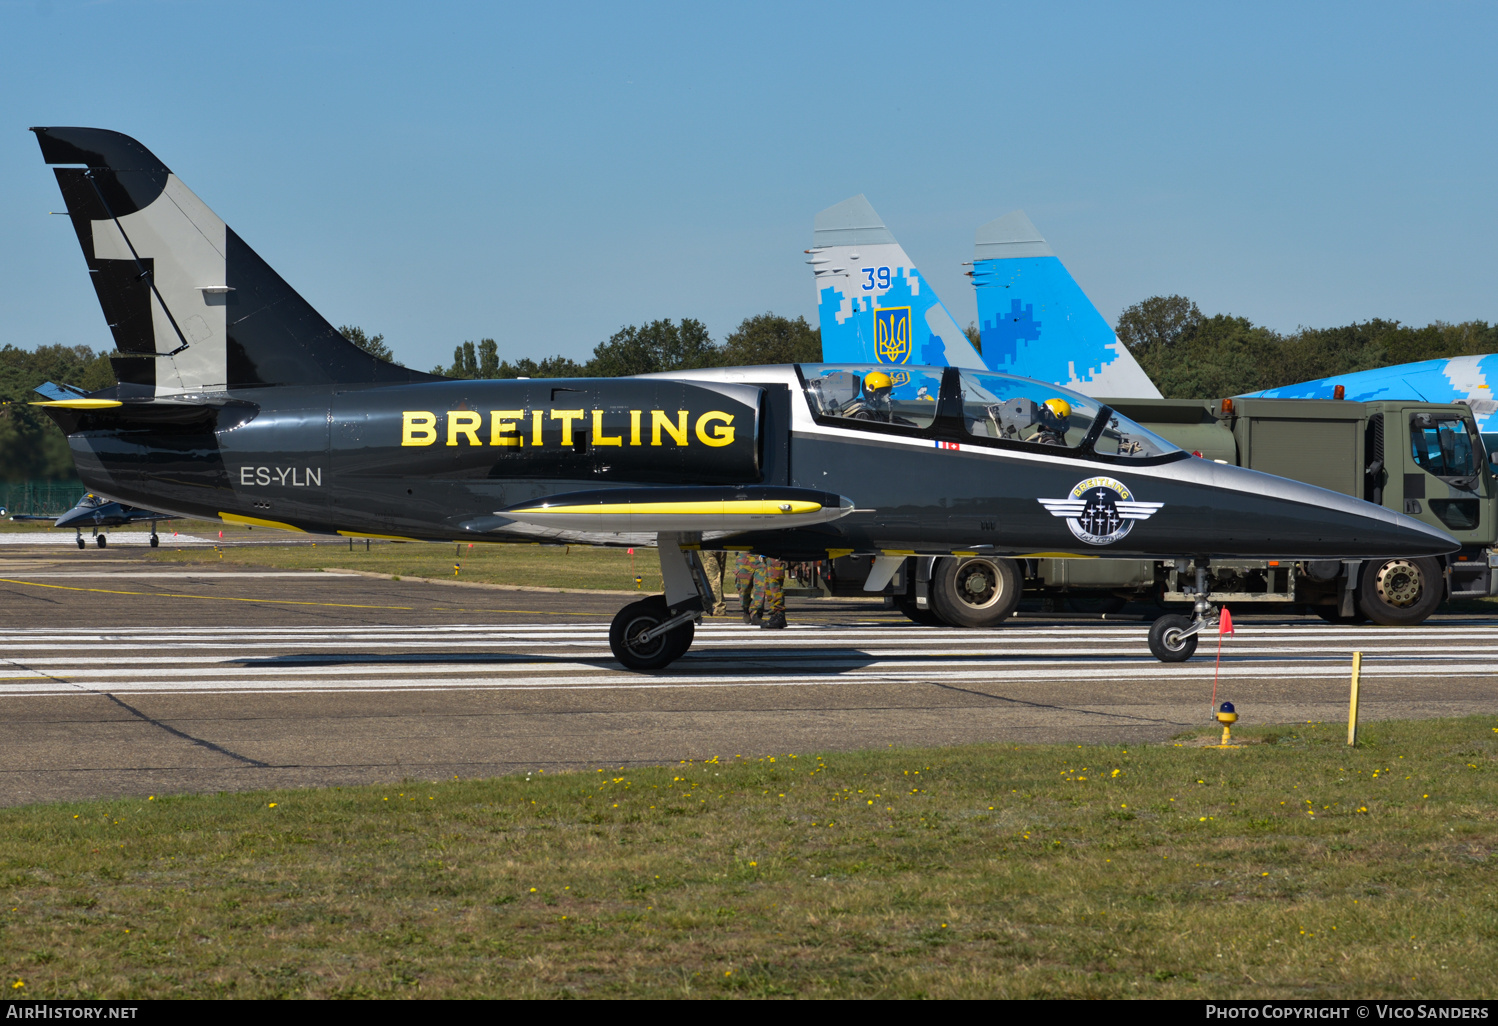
{"x":1035,"y":321}
{"x":874,"y":306}
{"x":191,"y":306}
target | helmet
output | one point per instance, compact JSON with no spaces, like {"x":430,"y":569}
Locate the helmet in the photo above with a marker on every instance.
{"x":1060,"y":407}
{"x":877,"y":381}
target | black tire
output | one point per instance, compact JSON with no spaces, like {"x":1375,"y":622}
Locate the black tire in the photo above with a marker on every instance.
{"x":155,"y":541}
{"x":924,"y":617}
{"x":638,"y":617}
{"x":974,"y":591}
{"x":1401,"y":592}
{"x":1166,"y":642}
{"x":81,"y":543}
{"x":101,"y":541}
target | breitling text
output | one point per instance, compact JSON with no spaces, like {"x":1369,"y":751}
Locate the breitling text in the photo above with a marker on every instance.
{"x":530,"y":427}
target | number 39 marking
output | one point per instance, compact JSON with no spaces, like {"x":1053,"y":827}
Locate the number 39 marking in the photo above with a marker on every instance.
{"x":875,"y":278}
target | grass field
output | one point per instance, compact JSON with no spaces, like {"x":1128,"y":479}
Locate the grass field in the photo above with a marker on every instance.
{"x":576,"y":566}
{"x":1293,"y":868}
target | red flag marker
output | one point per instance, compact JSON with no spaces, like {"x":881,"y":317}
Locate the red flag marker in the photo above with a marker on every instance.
{"x":1224,"y":625}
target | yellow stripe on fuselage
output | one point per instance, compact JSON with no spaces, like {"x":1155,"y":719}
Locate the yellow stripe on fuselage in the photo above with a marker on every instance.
{"x":80,"y":404}
{"x":382,"y":537}
{"x":235,"y":518}
{"x":730,"y":507}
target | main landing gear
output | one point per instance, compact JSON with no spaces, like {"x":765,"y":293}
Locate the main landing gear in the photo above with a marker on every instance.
{"x":1173,"y":637}
{"x":654,"y":632}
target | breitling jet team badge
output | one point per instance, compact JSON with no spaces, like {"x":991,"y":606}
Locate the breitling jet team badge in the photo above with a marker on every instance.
{"x":1100,"y":510}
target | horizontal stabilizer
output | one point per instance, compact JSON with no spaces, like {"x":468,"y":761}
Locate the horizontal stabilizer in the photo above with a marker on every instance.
{"x":52,"y":390}
{"x":683,"y":509}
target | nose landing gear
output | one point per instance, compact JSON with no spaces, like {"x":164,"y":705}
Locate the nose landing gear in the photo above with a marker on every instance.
{"x":1173,"y":637}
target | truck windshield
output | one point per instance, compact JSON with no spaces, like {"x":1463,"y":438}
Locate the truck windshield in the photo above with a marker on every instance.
{"x":1022,"y":410}
{"x":1443,"y":445}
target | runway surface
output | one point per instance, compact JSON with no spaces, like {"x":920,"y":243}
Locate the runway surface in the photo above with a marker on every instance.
{"x":131,"y":677}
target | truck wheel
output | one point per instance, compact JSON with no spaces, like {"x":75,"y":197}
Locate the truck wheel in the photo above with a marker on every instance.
{"x":974,"y":591}
{"x":913,"y":612}
{"x":638,"y":617}
{"x":1400,"y":592}
{"x":1167,"y":643}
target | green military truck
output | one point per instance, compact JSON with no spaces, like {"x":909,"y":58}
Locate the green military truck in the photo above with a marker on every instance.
{"x":1423,"y":459}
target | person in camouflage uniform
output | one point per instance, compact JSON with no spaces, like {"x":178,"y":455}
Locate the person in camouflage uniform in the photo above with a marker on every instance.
{"x":714,"y":563}
{"x":761,"y":586}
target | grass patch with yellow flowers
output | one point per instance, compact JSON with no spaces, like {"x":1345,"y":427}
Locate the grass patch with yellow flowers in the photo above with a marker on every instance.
{"x":1293,"y":867}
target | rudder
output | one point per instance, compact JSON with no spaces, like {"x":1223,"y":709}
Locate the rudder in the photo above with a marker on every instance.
{"x":191,"y":306}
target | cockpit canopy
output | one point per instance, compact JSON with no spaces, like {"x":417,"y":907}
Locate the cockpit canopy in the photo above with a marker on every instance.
{"x":996,"y":409}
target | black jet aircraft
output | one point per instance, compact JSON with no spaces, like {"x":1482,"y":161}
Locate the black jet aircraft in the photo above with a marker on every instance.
{"x":238,"y":401}
{"x":100,"y":513}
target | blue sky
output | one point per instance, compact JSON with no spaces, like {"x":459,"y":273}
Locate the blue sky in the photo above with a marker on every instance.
{"x":544,"y":174}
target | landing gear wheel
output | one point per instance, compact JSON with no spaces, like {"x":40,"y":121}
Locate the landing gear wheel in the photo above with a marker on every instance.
{"x":101,"y":541}
{"x":639,"y":617}
{"x":81,"y":543}
{"x":1400,"y":592}
{"x":974,"y":591}
{"x":1167,"y":643}
{"x":155,"y":541}
{"x":913,"y":612}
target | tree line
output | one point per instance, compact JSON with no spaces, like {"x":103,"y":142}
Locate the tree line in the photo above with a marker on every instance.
{"x":663,"y":345}
{"x":1190,"y":355}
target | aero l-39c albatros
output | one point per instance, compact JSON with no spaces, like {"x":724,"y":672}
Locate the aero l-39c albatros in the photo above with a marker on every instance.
{"x":239,"y":401}
{"x":100,"y":513}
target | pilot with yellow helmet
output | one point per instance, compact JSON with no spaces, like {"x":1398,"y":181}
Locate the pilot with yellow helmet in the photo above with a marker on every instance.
{"x":1052,"y":419}
{"x":874,"y":402}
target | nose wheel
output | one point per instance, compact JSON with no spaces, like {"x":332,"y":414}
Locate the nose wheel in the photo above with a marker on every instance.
{"x":1173,"y":637}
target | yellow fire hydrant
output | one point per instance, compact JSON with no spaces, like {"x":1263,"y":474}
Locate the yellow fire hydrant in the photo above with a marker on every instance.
{"x":1227,"y":716}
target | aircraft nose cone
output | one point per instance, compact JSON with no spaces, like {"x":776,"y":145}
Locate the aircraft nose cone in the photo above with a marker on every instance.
{"x":1277,"y":517}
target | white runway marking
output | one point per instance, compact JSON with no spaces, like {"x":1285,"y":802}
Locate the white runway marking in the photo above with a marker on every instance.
{"x":223,"y":660}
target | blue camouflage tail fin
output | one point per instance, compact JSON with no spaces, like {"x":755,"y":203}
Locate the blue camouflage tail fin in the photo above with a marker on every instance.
{"x":1035,"y":321}
{"x":874,"y":306}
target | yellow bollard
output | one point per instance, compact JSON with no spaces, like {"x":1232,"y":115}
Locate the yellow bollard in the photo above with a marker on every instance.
{"x":1352,"y":706}
{"x":1227,"y":716}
